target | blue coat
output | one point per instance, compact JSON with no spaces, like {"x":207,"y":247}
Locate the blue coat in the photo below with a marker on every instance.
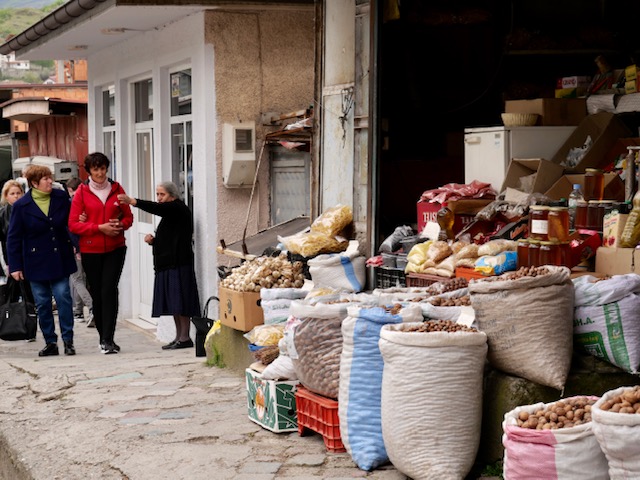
{"x":40,"y":244}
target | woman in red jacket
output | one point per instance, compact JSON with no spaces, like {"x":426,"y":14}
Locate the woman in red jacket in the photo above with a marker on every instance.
{"x":100,"y":221}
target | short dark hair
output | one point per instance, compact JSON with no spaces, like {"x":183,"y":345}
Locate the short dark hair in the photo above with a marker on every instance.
{"x":96,"y":159}
{"x":35,"y":173}
{"x":73,"y":183}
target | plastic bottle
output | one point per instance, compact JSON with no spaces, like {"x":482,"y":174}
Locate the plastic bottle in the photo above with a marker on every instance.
{"x":631,"y":233}
{"x":574,"y":197}
{"x":445,"y":219}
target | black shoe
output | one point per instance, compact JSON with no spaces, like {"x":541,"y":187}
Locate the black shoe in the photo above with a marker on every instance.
{"x":108,"y":348}
{"x":179,"y":344}
{"x":169,"y":346}
{"x":116,"y":346}
{"x":69,"y":348}
{"x":48,"y":350}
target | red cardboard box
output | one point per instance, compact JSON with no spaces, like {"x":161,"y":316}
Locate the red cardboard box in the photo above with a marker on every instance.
{"x":464,"y":209}
{"x":584,"y":245}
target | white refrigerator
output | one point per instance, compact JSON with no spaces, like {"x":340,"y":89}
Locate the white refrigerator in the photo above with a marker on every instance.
{"x":488,"y":150}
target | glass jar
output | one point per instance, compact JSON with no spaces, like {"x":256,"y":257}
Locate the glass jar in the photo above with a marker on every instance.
{"x":558,"y":224}
{"x":534,"y":253}
{"x":581,"y":215}
{"x":523,"y":253}
{"x":593,"y":212}
{"x":538,"y":222}
{"x":564,"y":254}
{"x":593,"y":184}
{"x":548,"y":253}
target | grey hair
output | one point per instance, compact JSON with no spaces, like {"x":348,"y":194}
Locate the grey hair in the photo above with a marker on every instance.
{"x":171,"y":189}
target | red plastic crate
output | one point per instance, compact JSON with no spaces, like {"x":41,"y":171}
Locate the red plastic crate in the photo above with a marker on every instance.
{"x":319,"y":414}
{"x":423,"y":279}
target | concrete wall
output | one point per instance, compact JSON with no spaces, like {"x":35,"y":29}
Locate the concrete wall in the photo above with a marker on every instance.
{"x":264,"y":62}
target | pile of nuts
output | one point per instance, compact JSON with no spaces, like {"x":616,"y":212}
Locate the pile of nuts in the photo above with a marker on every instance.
{"x":520,"y":273}
{"x":627,"y":402}
{"x":449,"y":285}
{"x":265,"y":272}
{"x":437,"y":326}
{"x":450,"y":302}
{"x":561,"y":414}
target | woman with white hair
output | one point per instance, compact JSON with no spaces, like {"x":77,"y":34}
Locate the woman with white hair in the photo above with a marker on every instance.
{"x":175,"y":291}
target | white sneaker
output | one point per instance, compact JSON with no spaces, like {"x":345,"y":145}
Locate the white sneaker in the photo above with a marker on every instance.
{"x":90,"y":321}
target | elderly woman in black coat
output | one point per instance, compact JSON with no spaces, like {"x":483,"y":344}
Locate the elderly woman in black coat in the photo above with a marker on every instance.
{"x":175,"y":291}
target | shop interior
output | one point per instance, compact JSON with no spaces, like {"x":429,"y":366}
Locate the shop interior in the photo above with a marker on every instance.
{"x":451,"y":65}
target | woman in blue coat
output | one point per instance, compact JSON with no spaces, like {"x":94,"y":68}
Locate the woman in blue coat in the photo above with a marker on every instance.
{"x":40,"y":251}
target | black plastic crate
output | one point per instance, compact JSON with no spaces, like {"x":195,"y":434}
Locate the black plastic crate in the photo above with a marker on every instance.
{"x":390,"y":277}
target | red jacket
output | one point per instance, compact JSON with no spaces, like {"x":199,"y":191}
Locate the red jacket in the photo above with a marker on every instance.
{"x":85,"y":201}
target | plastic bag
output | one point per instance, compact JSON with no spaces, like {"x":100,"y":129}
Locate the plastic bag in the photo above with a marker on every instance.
{"x":392,"y":242}
{"x":263,"y":335}
{"x":310,"y":244}
{"x":497,"y":264}
{"x":333,"y":220}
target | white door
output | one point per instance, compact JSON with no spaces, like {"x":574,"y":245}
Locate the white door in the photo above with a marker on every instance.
{"x":143,"y":256}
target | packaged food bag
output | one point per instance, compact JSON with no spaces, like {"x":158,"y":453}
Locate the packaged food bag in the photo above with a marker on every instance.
{"x":607,"y":319}
{"x":565,"y":453}
{"x":618,"y":431}
{"x":361,"y":367}
{"x":528,"y":318}
{"x":431,"y":402}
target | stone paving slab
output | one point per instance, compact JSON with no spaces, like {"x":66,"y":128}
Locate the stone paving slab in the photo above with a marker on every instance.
{"x":145,"y":413}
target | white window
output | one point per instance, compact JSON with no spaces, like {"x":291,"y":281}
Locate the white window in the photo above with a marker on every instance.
{"x":181,"y":133}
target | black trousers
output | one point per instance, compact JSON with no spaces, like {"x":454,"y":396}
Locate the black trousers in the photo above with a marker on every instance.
{"x":103,"y":271}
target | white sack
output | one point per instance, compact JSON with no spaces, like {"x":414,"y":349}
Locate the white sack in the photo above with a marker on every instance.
{"x":619,"y":437}
{"x":360,"y":387}
{"x":529,"y":324}
{"x":560,"y":454}
{"x":607,"y":319}
{"x":432,"y":400}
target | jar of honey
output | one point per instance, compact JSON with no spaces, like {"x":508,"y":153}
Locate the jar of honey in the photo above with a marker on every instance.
{"x":564,"y":254}
{"x":534,"y":253}
{"x":593,"y":184}
{"x":549,"y":253}
{"x":581,"y":215}
{"x":523,"y":253}
{"x":594,"y":219}
{"x":558,"y":224}
{"x":538,"y":222}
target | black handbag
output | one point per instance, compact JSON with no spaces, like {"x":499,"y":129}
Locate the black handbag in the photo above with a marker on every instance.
{"x":203,"y":324}
{"x":18,"y":319}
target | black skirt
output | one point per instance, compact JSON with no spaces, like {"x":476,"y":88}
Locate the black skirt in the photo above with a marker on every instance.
{"x":175,"y":292}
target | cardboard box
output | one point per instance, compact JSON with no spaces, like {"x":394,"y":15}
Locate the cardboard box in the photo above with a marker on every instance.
{"x":604,"y":129}
{"x":574,"y":81}
{"x":583,"y":246}
{"x":541,"y":173}
{"x":551,"y":111}
{"x":617,"y":261}
{"x":613,"y":187}
{"x":272,"y":403}
{"x":240,"y":310}
{"x":612,"y":226}
{"x":428,"y":212}
{"x":631,"y":72}
{"x":574,"y":92}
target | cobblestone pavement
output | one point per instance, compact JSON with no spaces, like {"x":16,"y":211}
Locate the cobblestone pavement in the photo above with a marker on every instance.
{"x":144,"y":413}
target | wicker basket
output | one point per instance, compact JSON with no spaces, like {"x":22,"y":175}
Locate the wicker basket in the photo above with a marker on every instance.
{"x":519,"y":119}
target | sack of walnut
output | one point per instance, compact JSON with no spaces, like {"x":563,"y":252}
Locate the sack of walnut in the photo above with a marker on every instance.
{"x":617,"y":430}
{"x":528,"y":318}
{"x":317,"y":342}
{"x":564,"y":449}
{"x":431,"y":409}
{"x":360,"y":387}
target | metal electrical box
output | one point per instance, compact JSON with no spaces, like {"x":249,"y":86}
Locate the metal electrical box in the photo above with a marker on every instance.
{"x":62,"y":170}
{"x":238,"y":154}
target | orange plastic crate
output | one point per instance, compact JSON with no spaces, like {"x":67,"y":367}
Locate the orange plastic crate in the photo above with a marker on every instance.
{"x":319,"y":414}
{"x":468,"y":273}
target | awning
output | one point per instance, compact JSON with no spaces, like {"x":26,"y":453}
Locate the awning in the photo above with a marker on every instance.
{"x":27,"y":109}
